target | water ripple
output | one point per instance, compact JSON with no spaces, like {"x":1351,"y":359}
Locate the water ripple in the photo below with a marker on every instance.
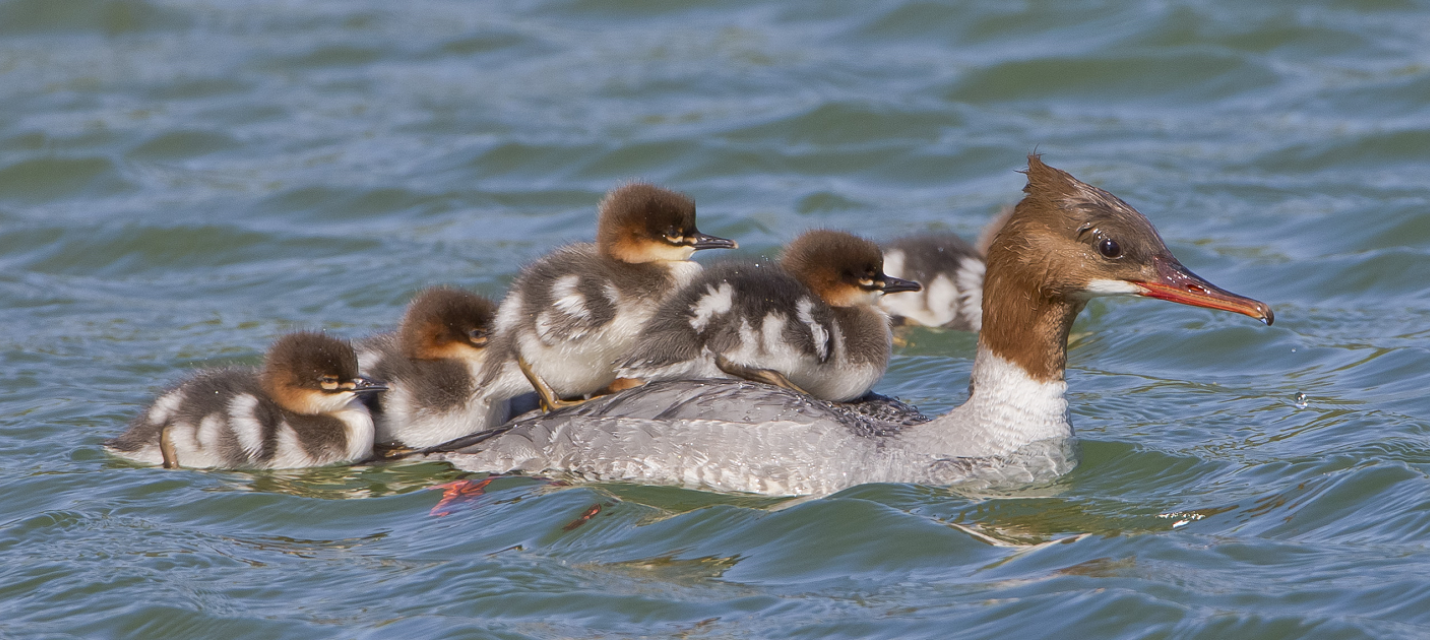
{"x":180,"y":182}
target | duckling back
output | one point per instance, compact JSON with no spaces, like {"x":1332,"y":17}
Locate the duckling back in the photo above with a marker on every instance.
{"x":951,"y":272}
{"x":573,"y":314}
{"x":758,"y":316}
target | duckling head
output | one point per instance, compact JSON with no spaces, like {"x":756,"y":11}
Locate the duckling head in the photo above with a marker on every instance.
{"x":842,"y":269}
{"x":641,"y":223}
{"x":447,"y":323}
{"x":310,"y":373}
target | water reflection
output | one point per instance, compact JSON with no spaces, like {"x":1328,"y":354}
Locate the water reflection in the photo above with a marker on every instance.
{"x":347,"y":483}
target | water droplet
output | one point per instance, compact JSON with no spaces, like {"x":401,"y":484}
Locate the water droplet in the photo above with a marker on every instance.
{"x":1301,"y":400}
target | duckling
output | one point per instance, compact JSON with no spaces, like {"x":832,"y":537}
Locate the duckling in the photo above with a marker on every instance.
{"x":811,"y":324}
{"x":572,"y":314}
{"x":951,"y":271}
{"x":303,"y":409}
{"x":432,"y":365}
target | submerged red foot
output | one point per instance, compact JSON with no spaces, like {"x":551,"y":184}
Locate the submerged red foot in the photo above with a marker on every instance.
{"x":457,"y":492}
{"x":595,"y":509}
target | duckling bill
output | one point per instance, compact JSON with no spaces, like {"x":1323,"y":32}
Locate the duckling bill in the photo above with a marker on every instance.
{"x":303,"y":409}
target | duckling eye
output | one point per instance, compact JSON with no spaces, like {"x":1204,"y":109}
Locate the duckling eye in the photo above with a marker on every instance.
{"x":1109,"y":248}
{"x":329,"y":383}
{"x":478,"y":337}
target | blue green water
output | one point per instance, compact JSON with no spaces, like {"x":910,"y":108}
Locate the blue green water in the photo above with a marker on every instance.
{"x":182,"y":181}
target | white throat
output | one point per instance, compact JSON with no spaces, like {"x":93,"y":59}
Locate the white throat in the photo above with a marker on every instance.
{"x":1007,"y":410}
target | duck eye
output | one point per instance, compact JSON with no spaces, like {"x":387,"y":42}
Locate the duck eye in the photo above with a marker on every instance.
{"x":478,"y":337}
{"x":1109,"y":248}
{"x":675,"y":237}
{"x":329,"y":383}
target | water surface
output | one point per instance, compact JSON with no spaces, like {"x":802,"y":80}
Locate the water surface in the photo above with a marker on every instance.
{"x":182,"y":181}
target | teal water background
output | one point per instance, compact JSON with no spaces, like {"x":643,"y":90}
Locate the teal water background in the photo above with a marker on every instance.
{"x":182,"y":181}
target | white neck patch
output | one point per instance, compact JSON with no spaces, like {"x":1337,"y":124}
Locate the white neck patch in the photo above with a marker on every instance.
{"x":1106,"y":287}
{"x":1008,"y":410}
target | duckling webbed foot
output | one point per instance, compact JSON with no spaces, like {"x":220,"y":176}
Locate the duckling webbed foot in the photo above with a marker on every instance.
{"x":901,"y":337}
{"x":549,"y":400}
{"x":385,"y":451}
{"x":166,"y":449}
{"x":767,"y":376}
{"x":619,"y":385}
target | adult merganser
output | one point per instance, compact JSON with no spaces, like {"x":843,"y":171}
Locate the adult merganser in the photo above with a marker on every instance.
{"x":1066,"y":242}
{"x":811,"y":324}
{"x":302,"y":410}
{"x":572,"y":314}
{"x":950,"y":270}
{"x":432,"y":365}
